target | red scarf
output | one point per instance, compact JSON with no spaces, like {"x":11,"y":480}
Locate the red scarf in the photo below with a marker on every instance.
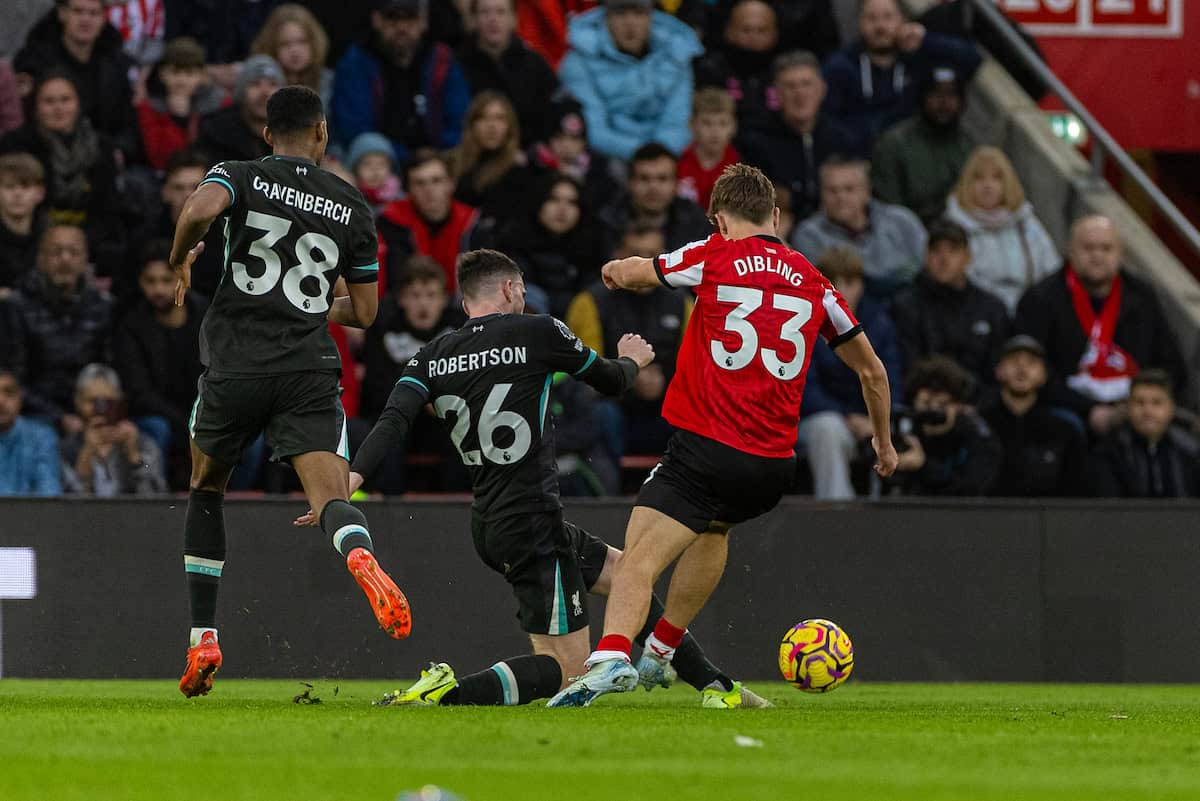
{"x":1105,"y":369}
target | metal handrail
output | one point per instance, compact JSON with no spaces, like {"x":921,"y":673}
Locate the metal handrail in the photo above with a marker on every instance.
{"x":1104,"y":142}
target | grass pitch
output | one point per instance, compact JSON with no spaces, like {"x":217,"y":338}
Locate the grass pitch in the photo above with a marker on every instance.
{"x":135,"y":740}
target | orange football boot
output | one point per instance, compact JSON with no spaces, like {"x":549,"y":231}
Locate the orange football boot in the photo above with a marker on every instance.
{"x":388,"y":603}
{"x":203,"y":660}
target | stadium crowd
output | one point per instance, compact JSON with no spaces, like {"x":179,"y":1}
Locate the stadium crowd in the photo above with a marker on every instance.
{"x":565,"y":136}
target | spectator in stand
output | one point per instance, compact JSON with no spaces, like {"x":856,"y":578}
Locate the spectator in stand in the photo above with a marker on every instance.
{"x":22,"y":190}
{"x":75,"y":39}
{"x":12,"y":116}
{"x":945,"y":313}
{"x":890,"y":238}
{"x":802,"y":24}
{"x":225,"y":28}
{"x":651,"y":199}
{"x":559,"y":248}
{"x":1045,"y":453}
{"x":1099,"y":326}
{"x":235,"y":133}
{"x":918,"y":161}
{"x":950,"y":450}
{"x":566,"y":150}
{"x":631,"y":68}
{"x":600,"y":318}
{"x":156,"y":351}
{"x":799,"y":137}
{"x":873,"y":83}
{"x":1010,"y":249}
{"x":81,"y":176}
{"x":429,"y":221}
{"x":370,"y":161}
{"x":185,"y":169}
{"x":28,"y":449}
{"x":1148,"y":456}
{"x":713,"y":127}
{"x":178,"y":95}
{"x":62,"y":324}
{"x":489,"y":169}
{"x":416,"y":310}
{"x":494,"y":58}
{"x":401,"y":83}
{"x":109,"y":457}
{"x":295,"y":39}
{"x":834,"y":425}
{"x":740,"y":63}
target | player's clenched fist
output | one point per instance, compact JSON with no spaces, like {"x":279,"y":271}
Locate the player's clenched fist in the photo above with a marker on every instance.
{"x":636,"y":348}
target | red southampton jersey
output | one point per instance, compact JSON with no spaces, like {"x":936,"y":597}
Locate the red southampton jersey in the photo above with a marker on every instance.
{"x":744,"y":358}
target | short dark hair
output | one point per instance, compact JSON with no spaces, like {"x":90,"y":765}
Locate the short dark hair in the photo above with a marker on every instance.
{"x":641,"y":227}
{"x":944,"y":230}
{"x":939,"y":374}
{"x":187,"y":159}
{"x":651,"y":151}
{"x":292,"y":109}
{"x":1154,"y":377}
{"x":419,"y":269}
{"x":792,"y":60}
{"x":476,"y":268}
{"x":841,"y":263}
{"x":421,"y":157}
{"x":744,"y":192}
{"x":155,"y":250}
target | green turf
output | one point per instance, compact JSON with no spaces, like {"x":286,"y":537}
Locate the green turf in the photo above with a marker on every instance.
{"x":65,"y":740}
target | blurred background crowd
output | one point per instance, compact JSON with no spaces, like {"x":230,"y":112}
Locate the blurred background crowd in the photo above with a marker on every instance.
{"x":566,"y":133}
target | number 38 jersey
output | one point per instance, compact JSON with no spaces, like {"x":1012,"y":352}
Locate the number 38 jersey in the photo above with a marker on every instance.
{"x":291,"y":230}
{"x":744,"y":358}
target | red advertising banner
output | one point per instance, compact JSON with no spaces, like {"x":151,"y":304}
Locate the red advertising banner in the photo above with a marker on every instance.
{"x":1134,"y":63}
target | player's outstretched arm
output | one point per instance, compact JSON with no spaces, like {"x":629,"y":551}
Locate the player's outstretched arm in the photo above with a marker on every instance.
{"x":860,"y":357}
{"x":634,"y":272}
{"x":616,"y":376}
{"x":204,"y":206}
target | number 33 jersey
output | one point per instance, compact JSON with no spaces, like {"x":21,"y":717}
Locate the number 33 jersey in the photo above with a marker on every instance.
{"x":744,"y":358}
{"x":291,"y":230}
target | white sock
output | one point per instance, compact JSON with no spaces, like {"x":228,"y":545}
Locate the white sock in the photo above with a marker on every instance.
{"x":197,"y":633}
{"x":657,"y":648}
{"x":604,"y":656}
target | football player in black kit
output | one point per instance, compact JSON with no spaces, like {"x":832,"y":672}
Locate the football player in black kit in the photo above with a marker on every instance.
{"x":292,"y":232}
{"x":490,"y":381}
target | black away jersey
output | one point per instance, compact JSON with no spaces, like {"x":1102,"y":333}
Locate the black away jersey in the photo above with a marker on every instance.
{"x":291,"y":230}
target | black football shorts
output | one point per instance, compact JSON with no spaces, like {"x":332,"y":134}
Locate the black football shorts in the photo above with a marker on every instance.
{"x":299,"y":412}
{"x":708,"y":486}
{"x":550,"y":563}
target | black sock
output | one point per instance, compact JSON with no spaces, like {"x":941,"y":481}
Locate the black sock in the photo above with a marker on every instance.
{"x":204,"y":554}
{"x":347,"y":525}
{"x":516,"y":680}
{"x":689,"y":661}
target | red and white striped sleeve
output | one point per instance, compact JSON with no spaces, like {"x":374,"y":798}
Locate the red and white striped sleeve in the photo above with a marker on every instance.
{"x":683,"y":267}
{"x":839,"y":324}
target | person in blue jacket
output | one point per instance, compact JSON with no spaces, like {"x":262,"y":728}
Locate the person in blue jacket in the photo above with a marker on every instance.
{"x":400,"y":83}
{"x":833,"y":414}
{"x":631,"y":69}
{"x":874,"y":82}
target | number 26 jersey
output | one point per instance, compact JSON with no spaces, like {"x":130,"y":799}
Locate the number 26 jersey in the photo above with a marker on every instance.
{"x":744,"y":359}
{"x":291,"y":230}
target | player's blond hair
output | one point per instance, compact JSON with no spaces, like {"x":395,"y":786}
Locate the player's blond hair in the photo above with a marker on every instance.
{"x":744,"y":192}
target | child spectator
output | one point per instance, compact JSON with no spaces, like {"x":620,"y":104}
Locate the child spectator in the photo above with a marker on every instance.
{"x":298,"y":43}
{"x":109,"y":456}
{"x":178,"y":94}
{"x":370,"y":160}
{"x":566,"y":150}
{"x":22,"y":190}
{"x":1010,"y":249}
{"x":28,"y":449}
{"x":713,"y":124}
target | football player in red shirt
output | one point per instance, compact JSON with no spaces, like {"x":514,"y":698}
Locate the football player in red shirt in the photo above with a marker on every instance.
{"x":735,"y":400}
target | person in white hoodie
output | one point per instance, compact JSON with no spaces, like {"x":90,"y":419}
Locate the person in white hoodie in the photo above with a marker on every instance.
{"x":1010,"y":249}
